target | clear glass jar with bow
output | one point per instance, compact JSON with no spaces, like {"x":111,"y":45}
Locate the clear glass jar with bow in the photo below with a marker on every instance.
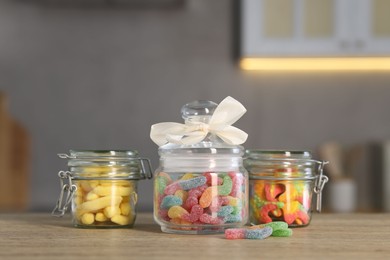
{"x":201,"y":185}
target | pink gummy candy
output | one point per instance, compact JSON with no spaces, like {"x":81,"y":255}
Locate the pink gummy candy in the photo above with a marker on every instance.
{"x":194,"y":193}
{"x":216,"y":204}
{"x":195,"y":214}
{"x":208,"y":219}
{"x":235,"y":233}
{"x":172,"y":188}
{"x":190,"y":202}
{"x":238,"y":180}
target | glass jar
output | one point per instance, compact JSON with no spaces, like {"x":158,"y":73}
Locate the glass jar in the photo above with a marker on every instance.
{"x":282,"y":185}
{"x":101,"y":186}
{"x":200,"y":188}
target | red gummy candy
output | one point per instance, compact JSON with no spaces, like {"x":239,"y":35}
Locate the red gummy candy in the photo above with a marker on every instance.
{"x":264,"y":213}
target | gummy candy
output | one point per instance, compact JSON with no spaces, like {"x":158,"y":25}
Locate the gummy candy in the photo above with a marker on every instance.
{"x":198,"y":201}
{"x":185,"y":185}
{"x":170,"y":201}
{"x":282,"y":200}
{"x":282,"y":233}
{"x":242,"y":233}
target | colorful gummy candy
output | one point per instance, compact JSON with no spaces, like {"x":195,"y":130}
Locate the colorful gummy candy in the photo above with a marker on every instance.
{"x":245,"y":233}
{"x":198,"y":199}
{"x":279,"y":228}
{"x":275,"y":229}
{"x":281,"y":200}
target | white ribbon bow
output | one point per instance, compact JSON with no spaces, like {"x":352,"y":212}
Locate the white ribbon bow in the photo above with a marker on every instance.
{"x":226,"y":114}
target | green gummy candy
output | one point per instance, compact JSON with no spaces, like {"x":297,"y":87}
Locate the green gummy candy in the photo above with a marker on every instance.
{"x":277,"y":225}
{"x":226,"y":186}
{"x":282,"y":233}
{"x":161,"y":183}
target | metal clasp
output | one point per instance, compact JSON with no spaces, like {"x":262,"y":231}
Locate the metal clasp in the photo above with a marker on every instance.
{"x":146,"y":170}
{"x":320,"y":183}
{"x":66,"y":195}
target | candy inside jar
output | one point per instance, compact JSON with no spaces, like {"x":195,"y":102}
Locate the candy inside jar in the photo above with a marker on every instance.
{"x":200,"y":201}
{"x":282,"y":185}
{"x":201,"y":185}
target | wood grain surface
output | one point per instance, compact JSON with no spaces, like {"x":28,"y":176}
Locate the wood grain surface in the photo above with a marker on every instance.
{"x":329,"y":236}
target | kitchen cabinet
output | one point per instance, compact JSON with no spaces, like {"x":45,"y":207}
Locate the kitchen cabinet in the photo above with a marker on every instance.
{"x":309,"y":28}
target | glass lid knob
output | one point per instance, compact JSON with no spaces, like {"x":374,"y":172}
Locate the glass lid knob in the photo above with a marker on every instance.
{"x":198,"y":108}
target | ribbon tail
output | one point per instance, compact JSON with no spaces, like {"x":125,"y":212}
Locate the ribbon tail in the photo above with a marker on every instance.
{"x":232,"y":135}
{"x":159,"y":132}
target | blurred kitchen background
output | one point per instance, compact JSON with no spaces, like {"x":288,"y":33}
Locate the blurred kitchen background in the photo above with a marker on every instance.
{"x":97,"y":74}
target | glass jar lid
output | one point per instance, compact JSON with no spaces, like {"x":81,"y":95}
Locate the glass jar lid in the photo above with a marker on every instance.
{"x":277,"y":154}
{"x":199,"y":119}
{"x":107,"y":164}
{"x":281,"y":164}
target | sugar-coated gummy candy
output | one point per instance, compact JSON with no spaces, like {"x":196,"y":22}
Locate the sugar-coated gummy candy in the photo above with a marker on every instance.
{"x":196,"y":212}
{"x":213,"y":179}
{"x":185,"y":184}
{"x":238,"y":181}
{"x":208,"y":219}
{"x":258,"y":233}
{"x":235,"y":233}
{"x":161,"y":183}
{"x":226,"y":186}
{"x":281,"y":200}
{"x":190,"y":202}
{"x":170,"y":201}
{"x":225,"y":211}
{"x":233,"y":218}
{"x":177,"y":212}
{"x":182,"y":194}
{"x":193,"y":183}
{"x":205,"y":199}
{"x":277,"y":225}
{"x":244,"y":233}
{"x":282,"y":233}
{"x":207,"y":196}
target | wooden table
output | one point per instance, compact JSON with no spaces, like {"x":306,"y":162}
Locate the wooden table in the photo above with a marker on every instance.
{"x":341,"y":236}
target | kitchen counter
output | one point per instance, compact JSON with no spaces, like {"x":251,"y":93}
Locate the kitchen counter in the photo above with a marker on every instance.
{"x":40,"y":236}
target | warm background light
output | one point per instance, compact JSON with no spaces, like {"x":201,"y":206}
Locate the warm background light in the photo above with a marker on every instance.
{"x":317,"y":64}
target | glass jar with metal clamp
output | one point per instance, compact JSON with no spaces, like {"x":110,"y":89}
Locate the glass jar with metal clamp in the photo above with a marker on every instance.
{"x":281,"y":185}
{"x":101,"y":187}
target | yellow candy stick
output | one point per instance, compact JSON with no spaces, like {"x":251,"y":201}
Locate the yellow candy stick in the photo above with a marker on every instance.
{"x":121,"y":220}
{"x":112,"y":190}
{"x":100,"y":203}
